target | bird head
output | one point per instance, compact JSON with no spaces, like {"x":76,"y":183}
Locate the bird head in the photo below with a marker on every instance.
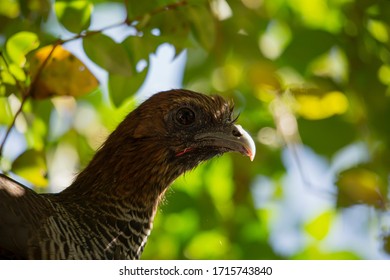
{"x":191,"y":126}
{"x":167,"y":135}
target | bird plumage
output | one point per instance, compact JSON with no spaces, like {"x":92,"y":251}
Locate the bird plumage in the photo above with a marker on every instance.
{"x":108,"y":211}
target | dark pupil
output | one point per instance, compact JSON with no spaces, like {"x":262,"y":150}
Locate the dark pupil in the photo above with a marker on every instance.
{"x":185,"y":116}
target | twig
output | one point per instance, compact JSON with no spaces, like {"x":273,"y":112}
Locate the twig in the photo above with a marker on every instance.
{"x":40,"y":69}
{"x":21,"y":89}
{"x":25,"y":97}
{"x":31,"y":89}
{"x":127,"y":21}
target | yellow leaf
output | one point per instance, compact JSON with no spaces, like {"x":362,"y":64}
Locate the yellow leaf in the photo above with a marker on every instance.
{"x":360,"y":186}
{"x":63,"y":74}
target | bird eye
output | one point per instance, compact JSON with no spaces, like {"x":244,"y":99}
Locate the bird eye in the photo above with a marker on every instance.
{"x":185,"y":116}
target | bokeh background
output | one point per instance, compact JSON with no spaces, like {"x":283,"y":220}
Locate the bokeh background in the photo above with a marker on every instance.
{"x":310,"y":80}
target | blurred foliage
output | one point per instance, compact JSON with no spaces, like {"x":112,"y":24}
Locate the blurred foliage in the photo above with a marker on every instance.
{"x":311,"y":79}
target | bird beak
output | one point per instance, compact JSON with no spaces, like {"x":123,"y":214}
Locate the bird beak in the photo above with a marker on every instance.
{"x":235,"y":139}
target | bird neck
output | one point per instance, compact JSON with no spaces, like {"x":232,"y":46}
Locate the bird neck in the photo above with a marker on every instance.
{"x":132,"y":175}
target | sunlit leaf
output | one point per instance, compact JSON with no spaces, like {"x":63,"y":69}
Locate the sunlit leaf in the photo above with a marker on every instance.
{"x":384,"y":74}
{"x":379,"y":30}
{"x":318,"y":14}
{"x":17,"y":72}
{"x":19,"y":45}
{"x":6,"y":115}
{"x":9,"y":8}
{"x":5,"y":75}
{"x":314,"y":105}
{"x":360,"y":186}
{"x":108,"y":54}
{"x":63,"y":74}
{"x":208,"y":245}
{"x":319,"y":227}
{"x":316,"y":253}
{"x":31,"y":165}
{"x":7,"y":78}
{"x":74,"y":15}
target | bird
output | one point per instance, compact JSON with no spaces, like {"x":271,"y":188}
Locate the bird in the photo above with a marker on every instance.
{"x":107,"y":212}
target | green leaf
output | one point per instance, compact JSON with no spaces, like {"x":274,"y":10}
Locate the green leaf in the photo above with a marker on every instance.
{"x":174,"y":27}
{"x":108,"y":54}
{"x":21,"y":44}
{"x":203,"y":25}
{"x":305,"y":46}
{"x":139,"y":48}
{"x":123,"y":87}
{"x":326,"y":136}
{"x":74,"y":15}
{"x":135,"y":9}
{"x":31,"y":165}
{"x":359,"y":185}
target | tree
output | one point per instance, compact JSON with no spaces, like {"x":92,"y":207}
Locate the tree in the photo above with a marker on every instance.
{"x":310,"y":79}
